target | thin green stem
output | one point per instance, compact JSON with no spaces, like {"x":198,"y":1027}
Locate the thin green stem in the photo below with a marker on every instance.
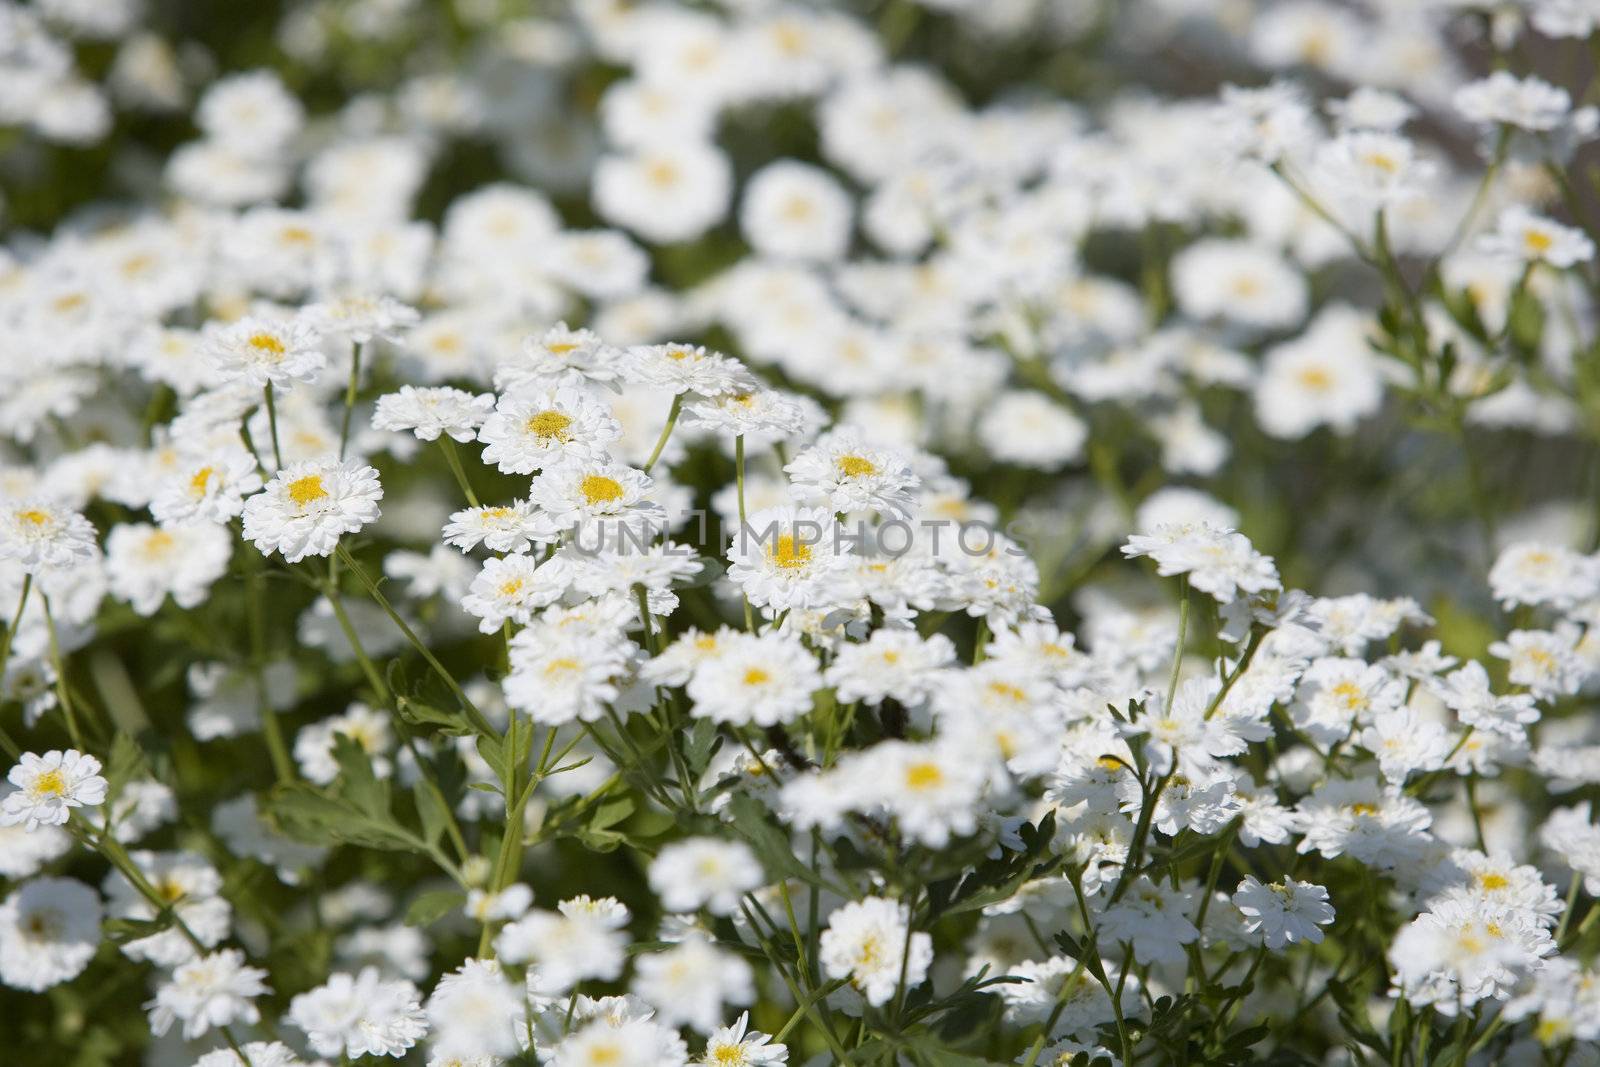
{"x":350,"y":398}
{"x":453,"y":458}
{"x":666,"y":432}
{"x":272,"y":425}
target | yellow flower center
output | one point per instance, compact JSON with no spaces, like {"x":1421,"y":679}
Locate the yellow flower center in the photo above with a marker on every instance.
{"x":856,"y":466}
{"x":306,"y":490}
{"x":756,"y":676}
{"x":560,"y":666}
{"x":511,"y":588}
{"x":158,"y":543}
{"x":268,"y":344}
{"x":496,"y":513}
{"x":33,"y":517}
{"x":550,"y":425}
{"x":1009,"y":692}
{"x":598,"y":489}
{"x":1491,"y":880}
{"x":50,"y":784}
{"x":1363,"y":808}
{"x":727,"y":1054}
{"x":1537,"y":241}
{"x":924,"y":776}
{"x":560,"y":348}
{"x":1317,"y":379}
{"x":201,"y":481}
{"x":789,"y":553}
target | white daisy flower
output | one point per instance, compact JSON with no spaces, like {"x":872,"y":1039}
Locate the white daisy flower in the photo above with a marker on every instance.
{"x":788,"y":557}
{"x":534,"y":430}
{"x":212,"y":991}
{"x":210,"y":488}
{"x":502,"y":528}
{"x":598,"y":492}
{"x":559,"y":356}
{"x":360,"y":1015}
{"x":40,"y":533}
{"x":511,"y":588}
{"x":762,"y":680}
{"x":49,"y":786}
{"x":843,"y":473}
{"x":146,"y":563}
{"x":866,"y":942}
{"x":260,"y":352}
{"x":704,"y":872}
{"x":49,"y":931}
{"x":307,"y":506}
{"x":433,"y":410}
{"x":682,"y":368}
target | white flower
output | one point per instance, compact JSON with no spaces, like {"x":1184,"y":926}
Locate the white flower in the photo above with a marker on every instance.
{"x":703,"y":872}
{"x":1239,"y":281}
{"x":843,"y":473}
{"x":891,"y":663}
{"x":49,"y":786}
{"x":431,"y":411}
{"x":1522,"y":236}
{"x":1220,"y":562}
{"x":1529,"y":572}
{"x":360,"y":1015}
{"x":735,"y":1046}
{"x":510,"y":527}
{"x":796,"y":211}
{"x":559,"y":356}
{"x":608,"y":495}
{"x":511,"y":588}
{"x":1027,"y":428}
{"x":211,"y":488}
{"x":305,"y":508}
{"x":41,"y":533}
{"x":665,"y":193}
{"x":260,"y":352}
{"x":256,"y":1054}
{"x":250,"y":113}
{"x":145,"y":563}
{"x":1283,"y":912}
{"x":49,"y":931}
{"x":866,"y":942}
{"x":1373,"y":169}
{"x":191,"y":885}
{"x":689,"y":983}
{"x":368,"y":728}
{"x":762,"y":680}
{"x":584,"y":939}
{"x":211,"y":991}
{"x":476,"y":1011}
{"x":360,"y":318}
{"x":530,"y":431}
{"x":680,"y":368}
{"x":1154,"y":918}
{"x":1325,"y":377}
{"x":787,"y":557}
{"x":1527,"y":103}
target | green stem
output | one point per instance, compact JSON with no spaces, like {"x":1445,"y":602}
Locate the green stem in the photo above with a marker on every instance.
{"x":738,"y":474}
{"x":454,"y":459}
{"x":62,"y":693}
{"x":350,"y":398}
{"x":479,"y":723}
{"x":272,"y":424}
{"x":666,"y":432}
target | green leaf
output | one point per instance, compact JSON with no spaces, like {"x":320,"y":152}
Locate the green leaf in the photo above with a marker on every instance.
{"x":431,"y":907}
{"x":771,"y":845}
{"x":435,"y":817}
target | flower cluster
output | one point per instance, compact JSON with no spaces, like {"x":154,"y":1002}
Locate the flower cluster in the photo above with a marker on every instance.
{"x":750,"y":533}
